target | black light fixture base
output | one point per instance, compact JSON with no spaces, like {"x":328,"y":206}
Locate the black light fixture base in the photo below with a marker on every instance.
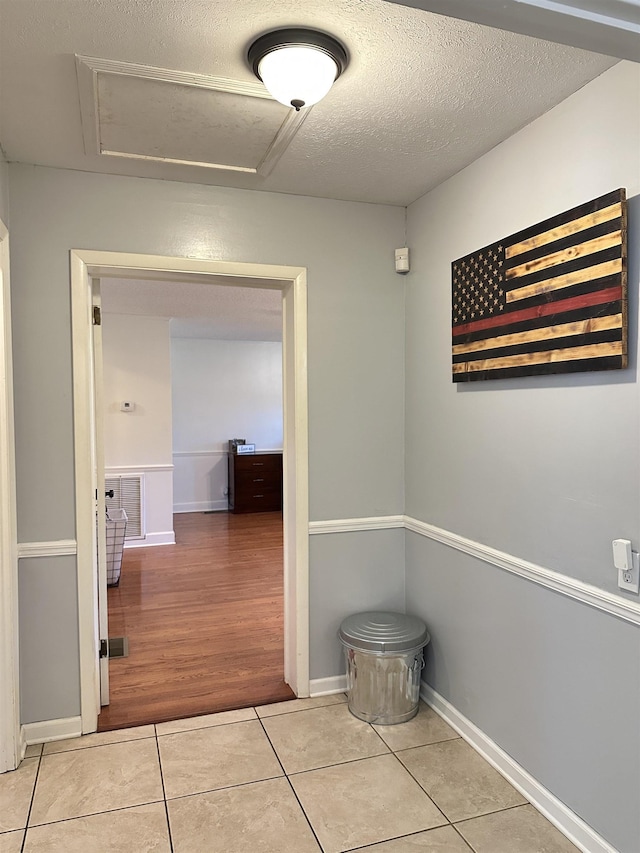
{"x":297,"y":37}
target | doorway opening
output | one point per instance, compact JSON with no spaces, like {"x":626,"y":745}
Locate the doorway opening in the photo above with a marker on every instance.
{"x":291,"y":282}
{"x":202,"y":620}
{"x":185,"y":367}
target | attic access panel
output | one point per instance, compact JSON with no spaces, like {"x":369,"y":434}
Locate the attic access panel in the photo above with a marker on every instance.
{"x":139,"y":112}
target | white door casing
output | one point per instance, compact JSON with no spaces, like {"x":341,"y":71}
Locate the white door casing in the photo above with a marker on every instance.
{"x":9,"y":705}
{"x":85,"y":485}
{"x":291,"y":281}
{"x":98,"y":471}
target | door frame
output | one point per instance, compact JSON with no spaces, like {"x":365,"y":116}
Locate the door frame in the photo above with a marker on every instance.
{"x":9,"y":679}
{"x":292,"y":282}
{"x":99,"y":476}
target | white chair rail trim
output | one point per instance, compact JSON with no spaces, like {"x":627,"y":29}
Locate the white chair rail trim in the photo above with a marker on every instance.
{"x":350,"y":525}
{"x":180,"y":453}
{"x":615,"y":605}
{"x":58,"y":548}
{"x":136,"y":469}
{"x":190,"y":453}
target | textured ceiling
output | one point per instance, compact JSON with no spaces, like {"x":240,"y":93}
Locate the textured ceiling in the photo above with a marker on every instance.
{"x":424,"y":95}
{"x":604,"y":26}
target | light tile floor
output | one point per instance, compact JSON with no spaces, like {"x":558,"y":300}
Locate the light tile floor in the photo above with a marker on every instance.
{"x":298,"y":777}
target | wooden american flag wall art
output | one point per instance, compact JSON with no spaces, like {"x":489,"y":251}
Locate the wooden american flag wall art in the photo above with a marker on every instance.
{"x":550,"y":299}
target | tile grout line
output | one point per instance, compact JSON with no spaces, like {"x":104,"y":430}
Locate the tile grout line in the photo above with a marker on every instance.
{"x":462,"y":820}
{"x":422,"y":788}
{"x":373,"y":728}
{"x":464,"y":840}
{"x":285,"y":775}
{"x":97,"y":745}
{"x":422,"y":745}
{"x":389,"y":751}
{"x":33,"y":796}
{"x":295,"y":711}
{"x":293,"y":790}
{"x":345,"y":763}
{"x":495,"y":811}
{"x":164,"y":793}
{"x":400,"y":838}
{"x":201,"y":728}
{"x":223,"y":788}
{"x":306,"y":816}
{"x":90,"y":814}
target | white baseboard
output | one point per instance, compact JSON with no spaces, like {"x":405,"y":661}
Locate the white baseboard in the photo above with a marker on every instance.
{"x":49,"y":730}
{"x":202,"y":506}
{"x":22,"y":743}
{"x":327,"y":686}
{"x":168,"y":537}
{"x":560,"y":815}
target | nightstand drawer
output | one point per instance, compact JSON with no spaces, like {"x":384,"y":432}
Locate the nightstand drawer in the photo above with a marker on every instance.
{"x":255,"y":482}
{"x":264,"y":501}
{"x":265,"y":464}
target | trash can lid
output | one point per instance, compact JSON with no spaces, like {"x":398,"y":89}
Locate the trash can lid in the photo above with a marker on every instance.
{"x":383,"y":631}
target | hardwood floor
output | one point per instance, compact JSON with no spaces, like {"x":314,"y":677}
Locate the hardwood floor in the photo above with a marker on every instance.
{"x":204,"y":619}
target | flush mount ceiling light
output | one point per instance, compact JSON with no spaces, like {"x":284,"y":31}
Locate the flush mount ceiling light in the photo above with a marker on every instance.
{"x":297,"y":66}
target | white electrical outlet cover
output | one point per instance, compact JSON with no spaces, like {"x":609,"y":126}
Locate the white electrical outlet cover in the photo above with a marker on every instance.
{"x":622,"y":554}
{"x":629,"y":579}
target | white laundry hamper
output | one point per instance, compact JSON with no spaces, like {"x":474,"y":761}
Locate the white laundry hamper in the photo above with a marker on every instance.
{"x":116,"y":529}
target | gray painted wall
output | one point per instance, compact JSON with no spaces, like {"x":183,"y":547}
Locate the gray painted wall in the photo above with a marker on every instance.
{"x":545,"y":469}
{"x":4,"y":190}
{"x":355,"y":354}
{"x":551,"y":680}
{"x":48,"y":616}
{"x":351,"y":572}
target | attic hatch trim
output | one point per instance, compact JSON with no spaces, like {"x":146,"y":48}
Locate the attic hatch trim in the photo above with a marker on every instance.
{"x":88,"y":68}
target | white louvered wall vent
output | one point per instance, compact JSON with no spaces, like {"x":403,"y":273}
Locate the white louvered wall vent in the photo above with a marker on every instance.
{"x":128,"y":494}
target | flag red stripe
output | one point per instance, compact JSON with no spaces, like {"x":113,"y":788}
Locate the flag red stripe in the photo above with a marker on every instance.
{"x":599,"y":297}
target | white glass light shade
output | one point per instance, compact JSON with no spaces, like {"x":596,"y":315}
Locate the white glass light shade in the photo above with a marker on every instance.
{"x":298,"y":76}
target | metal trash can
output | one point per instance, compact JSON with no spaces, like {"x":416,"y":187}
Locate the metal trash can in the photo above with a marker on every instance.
{"x":116,"y":528}
{"x":384,"y":654}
